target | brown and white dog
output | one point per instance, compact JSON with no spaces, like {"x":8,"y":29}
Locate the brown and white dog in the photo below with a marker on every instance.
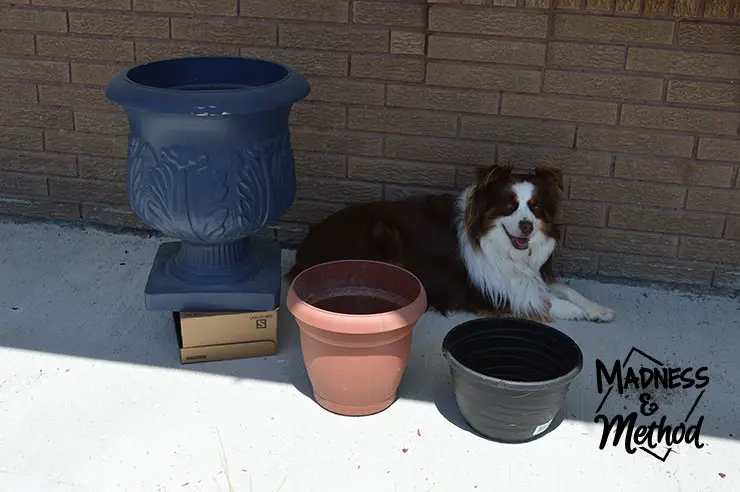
{"x":487,"y":251}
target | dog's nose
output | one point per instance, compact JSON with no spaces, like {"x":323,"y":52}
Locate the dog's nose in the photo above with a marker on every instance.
{"x":526,"y":227}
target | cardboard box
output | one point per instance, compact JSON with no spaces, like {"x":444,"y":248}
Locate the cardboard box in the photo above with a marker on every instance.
{"x":210,"y":336}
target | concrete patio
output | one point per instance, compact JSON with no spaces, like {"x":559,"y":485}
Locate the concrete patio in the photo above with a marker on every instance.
{"x":93,"y":396}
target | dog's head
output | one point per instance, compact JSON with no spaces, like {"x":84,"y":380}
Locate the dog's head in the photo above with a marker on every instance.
{"x":513,"y":213}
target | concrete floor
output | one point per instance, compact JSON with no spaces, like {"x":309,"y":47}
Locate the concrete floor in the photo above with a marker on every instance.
{"x":93,"y":398}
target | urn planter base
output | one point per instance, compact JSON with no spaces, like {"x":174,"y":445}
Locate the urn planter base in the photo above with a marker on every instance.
{"x":250,"y":281}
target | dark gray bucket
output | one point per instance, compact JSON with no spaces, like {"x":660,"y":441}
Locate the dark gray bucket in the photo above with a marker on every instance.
{"x":510,"y":376}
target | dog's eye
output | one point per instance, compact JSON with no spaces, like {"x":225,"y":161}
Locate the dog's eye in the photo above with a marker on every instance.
{"x":512,"y":206}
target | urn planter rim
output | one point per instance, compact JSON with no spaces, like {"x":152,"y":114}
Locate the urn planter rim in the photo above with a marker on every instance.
{"x":283,"y":87}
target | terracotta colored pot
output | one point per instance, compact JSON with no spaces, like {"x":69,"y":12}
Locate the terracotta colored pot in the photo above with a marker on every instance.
{"x":356,"y":318}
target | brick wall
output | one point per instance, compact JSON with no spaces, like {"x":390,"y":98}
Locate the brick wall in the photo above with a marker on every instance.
{"x":637,"y":100}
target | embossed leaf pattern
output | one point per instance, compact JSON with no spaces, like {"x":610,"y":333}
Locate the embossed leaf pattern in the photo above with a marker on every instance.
{"x":202,"y":195}
{"x":148,"y":185}
{"x":265,"y":185}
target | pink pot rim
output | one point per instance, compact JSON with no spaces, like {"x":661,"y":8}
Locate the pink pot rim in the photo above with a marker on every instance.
{"x":360,"y":324}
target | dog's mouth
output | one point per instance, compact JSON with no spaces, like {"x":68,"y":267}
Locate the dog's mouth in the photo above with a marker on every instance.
{"x":521,"y":243}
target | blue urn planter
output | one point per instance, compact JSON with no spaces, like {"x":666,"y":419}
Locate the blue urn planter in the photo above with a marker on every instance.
{"x":210,"y":163}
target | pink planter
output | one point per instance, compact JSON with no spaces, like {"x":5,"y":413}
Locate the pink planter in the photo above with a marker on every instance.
{"x":356,"y":318}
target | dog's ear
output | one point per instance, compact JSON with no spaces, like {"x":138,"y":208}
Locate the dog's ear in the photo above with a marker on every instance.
{"x":489,"y":174}
{"x":553,"y":174}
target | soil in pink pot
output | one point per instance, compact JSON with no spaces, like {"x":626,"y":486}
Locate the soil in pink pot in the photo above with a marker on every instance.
{"x":356,"y":318}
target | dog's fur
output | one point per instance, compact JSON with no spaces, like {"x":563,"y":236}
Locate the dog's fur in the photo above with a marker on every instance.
{"x":487,"y":251}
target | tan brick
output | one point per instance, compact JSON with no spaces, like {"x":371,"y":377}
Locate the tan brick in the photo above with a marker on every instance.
{"x":337,"y":190}
{"x":36,"y":117}
{"x":656,"y":8}
{"x":465,"y":101}
{"x":655,"y":269}
{"x":603,"y":85}
{"x":613,"y":29}
{"x":22,"y":19}
{"x":23,"y":68}
{"x":520,"y":131}
{"x":119,"y":24}
{"x":709,"y":200}
{"x":706,"y":93}
{"x":390,"y":14}
{"x":105,"y":123}
{"x":76,"y":96}
{"x":387,"y":68}
{"x":402,"y":121}
{"x":147,"y":51}
{"x":673,"y":171}
{"x":207,"y":7}
{"x":565,"y":55}
{"x":38,"y":163}
{"x":347,"y":91}
{"x":301,"y":10}
{"x":340,"y":38}
{"x":17,"y":92}
{"x":732,"y":231}
{"x":399,"y":192}
{"x":575,"y":262}
{"x":85,"y":48}
{"x":599,"y":5}
{"x":717,"y":9}
{"x":686,"y":8}
{"x":303,"y":61}
{"x":102,"y":168}
{"x":636,"y":142}
{"x":559,"y":109}
{"x":727,"y":278}
{"x":291,"y":234}
{"x":627,"y":6}
{"x":482,"y":76}
{"x":710,"y":250}
{"x":631,"y":192}
{"x":225,"y":31}
{"x":574,"y":212}
{"x":94,"y":73}
{"x":21,"y":138}
{"x":487,"y":21}
{"x":402,"y":172}
{"x":666,"y":221}
{"x":487,"y":50}
{"x":12,"y":43}
{"x":16,"y":184}
{"x":335,"y":141}
{"x":408,"y":43}
{"x":681,"y":119}
{"x":570,"y":161}
{"x":315,"y":164}
{"x":705,"y":35}
{"x":318,"y":115}
{"x":567,"y":4}
{"x":439,"y":150}
{"x":719,"y":149}
{"x":86,"y":4}
{"x":81,"y":190}
{"x":311,"y":211}
{"x":40,"y":209}
{"x":610,"y":240}
{"x":87,"y":143}
{"x":683,"y":63}
{"x":114,"y":217}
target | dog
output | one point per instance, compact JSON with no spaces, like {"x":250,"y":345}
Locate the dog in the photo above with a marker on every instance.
{"x":487,"y":251}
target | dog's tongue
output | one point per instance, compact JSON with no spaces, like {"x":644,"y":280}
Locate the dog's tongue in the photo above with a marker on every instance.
{"x":520,"y":242}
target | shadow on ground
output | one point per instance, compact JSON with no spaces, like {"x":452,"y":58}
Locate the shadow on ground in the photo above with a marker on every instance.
{"x":79,"y":293}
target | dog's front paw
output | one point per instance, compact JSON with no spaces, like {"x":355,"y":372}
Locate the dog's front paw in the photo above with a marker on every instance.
{"x":601,"y":314}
